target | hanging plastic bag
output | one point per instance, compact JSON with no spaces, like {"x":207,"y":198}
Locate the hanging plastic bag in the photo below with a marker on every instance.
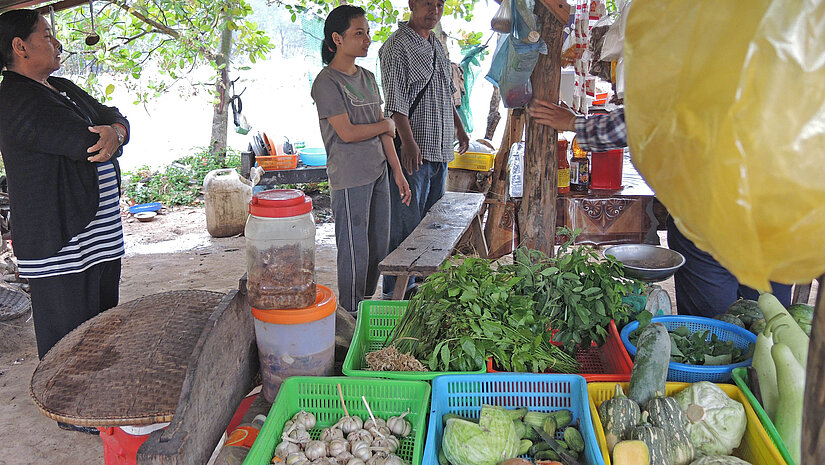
{"x":726,"y":125}
{"x":525,"y":28}
{"x":470,"y":66}
{"x":503,"y":20}
{"x":512,"y":65}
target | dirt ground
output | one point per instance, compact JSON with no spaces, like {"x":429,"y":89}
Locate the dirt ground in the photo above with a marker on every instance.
{"x":173,"y":252}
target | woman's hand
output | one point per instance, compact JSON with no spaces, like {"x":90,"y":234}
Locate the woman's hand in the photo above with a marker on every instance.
{"x":550,"y":114}
{"x":403,"y":186}
{"x":390,"y":127}
{"x":106,"y":146}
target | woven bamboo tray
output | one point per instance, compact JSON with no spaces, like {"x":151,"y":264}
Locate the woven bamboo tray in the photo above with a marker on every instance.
{"x":13,"y":302}
{"x":125,"y":366}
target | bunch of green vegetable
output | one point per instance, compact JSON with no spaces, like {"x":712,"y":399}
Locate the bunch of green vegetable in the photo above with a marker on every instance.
{"x":577,"y":290}
{"x":468,"y":311}
{"x":698,"y":347}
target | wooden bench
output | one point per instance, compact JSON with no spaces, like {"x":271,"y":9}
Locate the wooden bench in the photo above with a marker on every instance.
{"x":433,"y":240}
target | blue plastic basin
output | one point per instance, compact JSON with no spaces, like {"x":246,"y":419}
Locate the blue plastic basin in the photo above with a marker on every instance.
{"x":313,"y":156}
{"x":145,"y":207}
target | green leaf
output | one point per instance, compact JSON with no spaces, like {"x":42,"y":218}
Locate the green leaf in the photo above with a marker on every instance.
{"x":110,"y":89}
{"x":445,"y":357}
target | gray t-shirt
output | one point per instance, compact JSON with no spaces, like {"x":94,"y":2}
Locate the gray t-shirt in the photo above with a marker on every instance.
{"x":350,"y":164}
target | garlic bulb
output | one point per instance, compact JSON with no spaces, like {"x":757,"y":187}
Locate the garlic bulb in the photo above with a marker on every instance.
{"x":285,"y":448}
{"x":336,"y":446}
{"x":393,"y":459}
{"x":305,"y":419}
{"x":389,"y":443}
{"x":296,"y":458}
{"x":378,"y":458}
{"x":299,"y":436}
{"x":328,"y":434}
{"x":362,"y":434}
{"x":399,"y":426}
{"x":350,"y":423}
{"x":355,"y":461}
{"x":380,"y":432}
{"x":315,"y":450}
{"x":361,"y":449}
{"x":345,"y":456}
{"x":325,"y":461}
{"x":379,"y":422}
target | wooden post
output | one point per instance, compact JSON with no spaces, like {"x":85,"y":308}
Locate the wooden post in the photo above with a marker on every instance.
{"x":813,"y":428}
{"x":498,"y":230}
{"x":537,"y":218}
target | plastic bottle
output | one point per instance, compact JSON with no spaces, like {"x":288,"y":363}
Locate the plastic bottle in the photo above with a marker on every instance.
{"x":516,"y":165}
{"x":240,"y":440}
{"x":226,"y":197}
{"x":579,"y":169}
{"x":563,"y":168}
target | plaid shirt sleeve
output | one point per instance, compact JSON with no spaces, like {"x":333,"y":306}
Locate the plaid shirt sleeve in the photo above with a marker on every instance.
{"x":394,"y":78}
{"x":599,"y":133}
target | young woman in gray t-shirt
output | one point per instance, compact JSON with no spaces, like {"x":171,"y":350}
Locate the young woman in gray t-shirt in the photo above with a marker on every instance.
{"x":358,"y":141}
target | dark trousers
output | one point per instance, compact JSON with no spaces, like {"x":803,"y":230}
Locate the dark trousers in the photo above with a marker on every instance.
{"x":427,"y":186}
{"x":703,"y":286}
{"x":62,"y":303}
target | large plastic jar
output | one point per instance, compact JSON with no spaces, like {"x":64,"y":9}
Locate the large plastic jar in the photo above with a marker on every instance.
{"x":296,"y":342}
{"x":226,"y":197}
{"x":280,"y":250}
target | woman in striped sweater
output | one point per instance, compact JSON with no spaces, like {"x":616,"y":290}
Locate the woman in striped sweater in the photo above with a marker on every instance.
{"x":60,"y":149}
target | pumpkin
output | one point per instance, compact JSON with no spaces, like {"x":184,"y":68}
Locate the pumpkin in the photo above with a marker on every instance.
{"x":682,"y":451}
{"x":656,"y":440}
{"x":631,"y":453}
{"x":618,"y":415}
{"x":665,"y":412}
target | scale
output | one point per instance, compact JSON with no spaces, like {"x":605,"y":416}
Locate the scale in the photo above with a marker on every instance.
{"x":649,"y":264}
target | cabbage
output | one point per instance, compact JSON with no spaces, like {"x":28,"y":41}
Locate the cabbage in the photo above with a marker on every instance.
{"x":717,"y":422}
{"x":489,"y":442}
{"x":720,"y":460}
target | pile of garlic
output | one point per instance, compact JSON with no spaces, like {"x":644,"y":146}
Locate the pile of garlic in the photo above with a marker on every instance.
{"x":350,"y":441}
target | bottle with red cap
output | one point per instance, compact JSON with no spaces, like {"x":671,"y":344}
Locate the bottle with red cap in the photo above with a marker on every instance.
{"x":280,"y":250}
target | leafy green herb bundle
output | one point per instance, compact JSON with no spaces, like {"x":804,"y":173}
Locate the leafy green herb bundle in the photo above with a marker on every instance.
{"x":697,"y":348}
{"x":468,"y":311}
{"x":577,"y":290}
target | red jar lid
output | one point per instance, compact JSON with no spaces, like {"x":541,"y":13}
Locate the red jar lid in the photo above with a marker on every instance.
{"x":280,"y":203}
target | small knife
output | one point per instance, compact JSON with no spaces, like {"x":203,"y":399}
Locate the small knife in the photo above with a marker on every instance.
{"x":565,"y":456}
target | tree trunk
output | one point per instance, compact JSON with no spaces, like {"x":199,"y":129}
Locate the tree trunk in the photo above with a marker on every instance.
{"x":537,"y":217}
{"x":813,"y":410}
{"x":221,"y":113}
{"x":500,"y":228}
{"x":493,"y":117}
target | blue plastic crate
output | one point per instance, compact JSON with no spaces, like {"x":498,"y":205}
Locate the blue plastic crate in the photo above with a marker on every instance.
{"x":685,"y":373}
{"x":465,"y":395}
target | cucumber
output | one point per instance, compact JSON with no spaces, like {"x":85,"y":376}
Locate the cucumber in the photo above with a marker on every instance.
{"x":650,"y":365}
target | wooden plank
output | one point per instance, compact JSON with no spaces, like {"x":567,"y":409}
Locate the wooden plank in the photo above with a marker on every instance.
{"x":432,"y":242}
{"x":537,"y":217}
{"x":500,"y":227}
{"x":220,"y":373}
{"x":559,"y":8}
{"x":813,"y":410}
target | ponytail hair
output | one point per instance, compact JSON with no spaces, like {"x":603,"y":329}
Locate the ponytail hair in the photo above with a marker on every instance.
{"x":15,"y":23}
{"x":338,"y":21}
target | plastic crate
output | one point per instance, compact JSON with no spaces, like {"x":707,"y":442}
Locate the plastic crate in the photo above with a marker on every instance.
{"x":319,"y":396}
{"x":685,"y":373}
{"x":278,"y":162}
{"x":475,"y":161}
{"x":376,"y":320}
{"x":756,"y":447}
{"x":610,"y":362}
{"x":465,"y":394}
{"x":740,"y":377}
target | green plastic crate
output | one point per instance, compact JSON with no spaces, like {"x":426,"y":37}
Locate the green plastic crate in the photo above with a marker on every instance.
{"x":319,"y":395}
{"x":376,"y":319}
{"x":740,"y":377}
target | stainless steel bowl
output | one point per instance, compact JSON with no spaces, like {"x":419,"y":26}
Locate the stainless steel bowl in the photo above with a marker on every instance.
{"x":646,"y":262}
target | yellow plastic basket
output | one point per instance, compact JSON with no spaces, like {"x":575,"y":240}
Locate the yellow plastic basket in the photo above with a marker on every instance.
{"x":475,"y":161}
{"x":756,"y":447}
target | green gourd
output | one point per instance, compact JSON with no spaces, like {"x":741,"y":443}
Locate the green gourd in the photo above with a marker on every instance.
{"x":618,"y":416}
{"x":650,"y":365}
{"x":665,"y":412}
{"x":656,"y":440}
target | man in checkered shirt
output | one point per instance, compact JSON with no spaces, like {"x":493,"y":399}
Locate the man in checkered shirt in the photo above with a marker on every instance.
{"x":413,"y":59}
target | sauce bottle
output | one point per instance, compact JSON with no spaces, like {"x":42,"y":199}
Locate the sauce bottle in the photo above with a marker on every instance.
{"x":563,"y":168}
{"x":579,"y":169}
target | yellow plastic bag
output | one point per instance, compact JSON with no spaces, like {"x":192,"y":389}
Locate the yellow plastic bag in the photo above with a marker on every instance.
{"x":725,"y":110}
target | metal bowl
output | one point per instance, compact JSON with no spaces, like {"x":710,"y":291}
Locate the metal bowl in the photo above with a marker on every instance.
{"x":646,"y":262}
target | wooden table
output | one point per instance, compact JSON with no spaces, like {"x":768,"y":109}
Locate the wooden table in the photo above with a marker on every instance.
{"x":611,"y":216}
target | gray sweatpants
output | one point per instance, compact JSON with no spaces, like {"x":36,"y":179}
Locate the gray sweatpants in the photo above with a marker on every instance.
{"x":362,"y":234}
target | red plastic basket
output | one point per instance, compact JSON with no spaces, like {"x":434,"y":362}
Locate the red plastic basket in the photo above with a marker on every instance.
{"x":609,"y":363}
